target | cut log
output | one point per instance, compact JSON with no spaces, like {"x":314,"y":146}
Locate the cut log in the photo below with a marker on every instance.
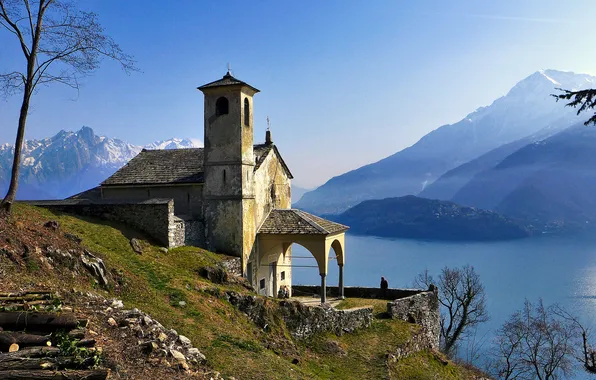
{"x":27,"y":297}
{"x":13,"y":347}
{"x":8,"y":362}
{"x":86,"y":343}
{"x":98,"y":374}
{"x":8,"y":338}
{"x":34,"y":352}
{"x":19,"y":294}
{"x":77,"y":334}
{"x":38,"y":321}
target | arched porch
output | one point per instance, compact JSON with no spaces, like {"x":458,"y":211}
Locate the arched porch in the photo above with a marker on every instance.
{"x":281,"y":229}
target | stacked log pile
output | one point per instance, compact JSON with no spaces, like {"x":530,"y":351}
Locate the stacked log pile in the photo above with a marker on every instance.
{"x":40,"y":339}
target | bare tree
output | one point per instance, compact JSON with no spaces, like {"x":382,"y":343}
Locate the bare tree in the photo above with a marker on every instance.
{"x":583,"y":100}
{"x":587,"y":353}
{"x":535,"y":343}
{"x":462,"y":297}
{"x":60,"y":44}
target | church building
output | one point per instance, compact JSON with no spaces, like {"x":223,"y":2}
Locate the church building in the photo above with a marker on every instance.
{"x":233,"y":196}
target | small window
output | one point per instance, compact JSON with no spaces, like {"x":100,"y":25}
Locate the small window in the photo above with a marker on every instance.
{"x":262,"y":284}
{"x":249,"y":272}
{"x":246,"y":112}
{"x":221,"y":106}
{"x":224,"y":176}
{"x":282,"y":275}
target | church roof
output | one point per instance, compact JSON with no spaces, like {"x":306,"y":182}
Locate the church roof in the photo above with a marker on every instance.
{"x":161,"y":167}
{"x":174,"y":166}
{"x":298,"y":222}
{"x":227,"y":80}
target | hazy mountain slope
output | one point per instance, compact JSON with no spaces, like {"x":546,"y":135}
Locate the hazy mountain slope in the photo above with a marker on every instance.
{"x":420,"y":218}
{"x":297,"y":193}
{"x":70,"y":162}
{"x":526,"y":109}
{"x":447,"y":185}
{"x":550,"y":181}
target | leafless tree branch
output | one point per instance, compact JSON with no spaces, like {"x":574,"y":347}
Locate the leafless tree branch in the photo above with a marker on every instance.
{"x":60,"y":43}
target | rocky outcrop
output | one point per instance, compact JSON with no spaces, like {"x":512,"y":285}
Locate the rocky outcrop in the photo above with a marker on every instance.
{"x":153,"y":338}
{"x":422,"y":309}
{"x":96,"y":267}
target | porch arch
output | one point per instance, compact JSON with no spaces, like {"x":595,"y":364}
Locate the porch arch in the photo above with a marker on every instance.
{"x":284,"y":227}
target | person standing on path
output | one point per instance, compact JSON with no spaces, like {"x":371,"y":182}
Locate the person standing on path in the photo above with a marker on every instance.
{"x":384,"y":286}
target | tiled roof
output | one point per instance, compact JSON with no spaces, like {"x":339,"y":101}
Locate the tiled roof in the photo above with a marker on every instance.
{"x":298,"y":222}
{"x":161,"y":167}
{"x":94,"y":193}
{"x":227,"y":80}
{"x":152,"y":167}
{"x":261,"y":152}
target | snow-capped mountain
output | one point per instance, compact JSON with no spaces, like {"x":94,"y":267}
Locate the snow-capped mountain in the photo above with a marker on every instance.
{"x":526,"y":109}
{"x":71,"y":162}
{"x":175,"y":143}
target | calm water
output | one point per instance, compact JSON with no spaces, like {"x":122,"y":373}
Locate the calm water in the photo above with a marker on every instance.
{"x":558,"y":269}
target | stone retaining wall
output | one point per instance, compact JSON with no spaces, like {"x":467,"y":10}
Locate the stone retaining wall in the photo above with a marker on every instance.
{"x":422,"y":309}
{"x":155,"y":217}
{"x":301,"y":320}
{"x":355,"y":292}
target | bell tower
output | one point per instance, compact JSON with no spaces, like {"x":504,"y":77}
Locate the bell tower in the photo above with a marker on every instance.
{"x":229,"y":162}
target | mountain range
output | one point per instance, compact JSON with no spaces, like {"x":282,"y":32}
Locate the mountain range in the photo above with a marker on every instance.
{"x":525,"y":114}
{"x":70,"y":162}
{"x":419,"y":218}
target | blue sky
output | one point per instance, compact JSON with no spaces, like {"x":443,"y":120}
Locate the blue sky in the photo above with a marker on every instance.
{"x":345,"y":83}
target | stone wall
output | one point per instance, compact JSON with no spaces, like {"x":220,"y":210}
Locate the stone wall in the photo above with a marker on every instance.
{"x":194,"y":233}
{"x":301,"y":320}
{"x":176,"y":232}
{"x":155,"y":217}
{"x":422,"y":309}
{"x":355,"y":292}
{"x":188,"y":199}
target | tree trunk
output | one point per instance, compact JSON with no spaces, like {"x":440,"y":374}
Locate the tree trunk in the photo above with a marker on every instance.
{"x":34,"y":321}
{"x":34,"y":352}
{"x":8,"y":363}
{"x":6,"y":205}
{"x":99,"y":374}
{"x":23,"y":340}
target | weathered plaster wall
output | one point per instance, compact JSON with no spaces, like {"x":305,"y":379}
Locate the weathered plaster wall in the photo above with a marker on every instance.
{"x":272,"y":190}
{"x":272,"y":187}
{"x":154,"y":217}
{"x":278,"y":253}
{"x":423,"y":309}
{"x":188,"y":199}
{"x":223,"y":226}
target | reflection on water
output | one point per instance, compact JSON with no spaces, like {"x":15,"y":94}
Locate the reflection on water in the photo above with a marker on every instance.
{"x":557,"y":269}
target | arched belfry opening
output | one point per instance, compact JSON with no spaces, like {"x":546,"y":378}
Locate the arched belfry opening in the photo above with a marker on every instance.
{"x":222,"y":106}
{"x":246,"y":112}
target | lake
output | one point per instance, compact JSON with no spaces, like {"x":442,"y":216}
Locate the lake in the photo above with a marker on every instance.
{"x":558,"y":269}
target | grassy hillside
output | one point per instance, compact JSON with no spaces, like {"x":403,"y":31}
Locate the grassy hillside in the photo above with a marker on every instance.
{"x":156,"y":282}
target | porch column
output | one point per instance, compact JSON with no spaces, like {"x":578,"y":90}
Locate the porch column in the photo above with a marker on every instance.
{"x":323,"y":289}
{"x":341,"y":282}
